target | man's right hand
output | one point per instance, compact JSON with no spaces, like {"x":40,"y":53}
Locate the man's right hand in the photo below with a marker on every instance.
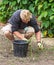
{"x":24,"y":39}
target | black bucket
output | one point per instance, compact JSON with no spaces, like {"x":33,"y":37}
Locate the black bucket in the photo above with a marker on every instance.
{"x":20,"y":48}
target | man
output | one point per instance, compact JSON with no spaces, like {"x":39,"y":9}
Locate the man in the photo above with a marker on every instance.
{"x":25,"y":21}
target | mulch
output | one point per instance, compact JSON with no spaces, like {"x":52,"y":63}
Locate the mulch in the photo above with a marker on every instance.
{"x":2,"y":24}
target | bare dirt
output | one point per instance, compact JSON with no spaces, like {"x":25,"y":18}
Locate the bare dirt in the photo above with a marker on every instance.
{"x":34,"y":57}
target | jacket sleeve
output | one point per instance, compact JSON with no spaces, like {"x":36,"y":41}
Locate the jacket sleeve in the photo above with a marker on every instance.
{"x":14,"y":22}
{"x":34,"y":24}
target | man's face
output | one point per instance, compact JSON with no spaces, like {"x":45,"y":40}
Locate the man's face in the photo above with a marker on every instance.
{"x":25,"y":20}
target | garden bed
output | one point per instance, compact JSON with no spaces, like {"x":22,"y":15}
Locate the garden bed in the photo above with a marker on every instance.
{"x":35,"y":56}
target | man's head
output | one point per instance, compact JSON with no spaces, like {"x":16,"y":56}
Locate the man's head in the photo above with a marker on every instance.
{"x":25,"y":15}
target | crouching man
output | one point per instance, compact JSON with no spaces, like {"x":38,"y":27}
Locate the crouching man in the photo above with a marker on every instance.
{"x":22,"y":21}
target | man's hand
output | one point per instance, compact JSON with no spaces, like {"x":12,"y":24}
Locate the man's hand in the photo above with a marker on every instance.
{"x":40,"y":45}
{"x":28,"y":40}
{"x":24,"y":39}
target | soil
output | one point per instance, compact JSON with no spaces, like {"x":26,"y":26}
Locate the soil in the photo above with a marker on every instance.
{"x":34,"y":56}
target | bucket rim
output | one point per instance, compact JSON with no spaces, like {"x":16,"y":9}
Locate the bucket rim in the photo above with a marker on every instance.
{"x":20,"y":42}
